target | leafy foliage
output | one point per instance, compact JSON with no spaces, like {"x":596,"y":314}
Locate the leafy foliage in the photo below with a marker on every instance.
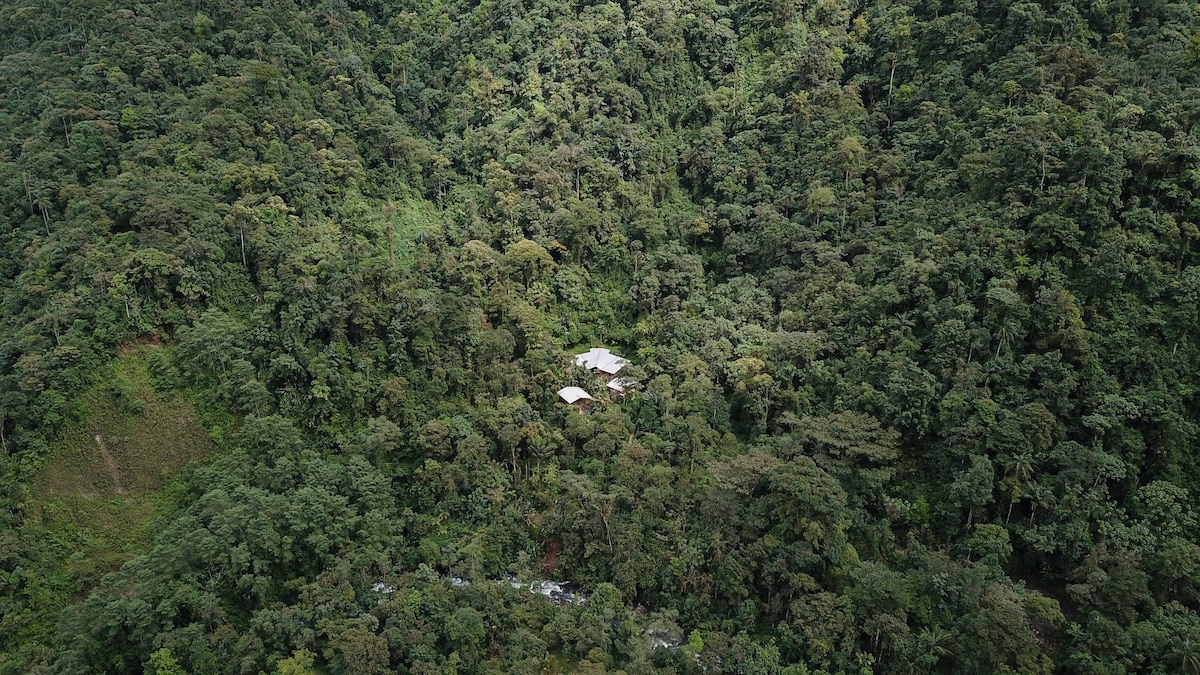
{"x":910,"y":289}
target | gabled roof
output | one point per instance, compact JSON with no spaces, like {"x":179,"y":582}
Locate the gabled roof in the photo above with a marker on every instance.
{"x":598,"y":358}
{"x":621,"y":386}
{"x":591,"y":358}
{"x":573,"y":394}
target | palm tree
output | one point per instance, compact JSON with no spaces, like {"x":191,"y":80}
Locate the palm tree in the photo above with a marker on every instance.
{"x":1019,"y":466}
{"x":1005,"y":335}
{"x":931,"y":644}
{"x":1185,"y":656}
{"x":1039,"y":496}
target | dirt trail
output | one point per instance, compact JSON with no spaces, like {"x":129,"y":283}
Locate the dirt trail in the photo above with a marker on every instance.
{"x":111,"y":463}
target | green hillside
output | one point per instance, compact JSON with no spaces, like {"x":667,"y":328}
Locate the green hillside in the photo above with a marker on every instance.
{"x":94,"y":503}
{"x":909,"y":291}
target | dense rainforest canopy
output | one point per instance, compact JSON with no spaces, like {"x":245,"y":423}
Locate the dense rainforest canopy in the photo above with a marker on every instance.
{"x":911,"y":288}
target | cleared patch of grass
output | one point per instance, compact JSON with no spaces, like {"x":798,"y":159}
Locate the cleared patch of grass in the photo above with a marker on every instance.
{"x":96,"y":498}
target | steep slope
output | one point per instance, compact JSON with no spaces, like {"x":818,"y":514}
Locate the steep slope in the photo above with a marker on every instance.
{"x":909,"y":288}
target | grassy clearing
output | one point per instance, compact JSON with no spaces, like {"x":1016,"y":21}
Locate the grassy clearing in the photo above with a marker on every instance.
{"x":413,"y":218}
{"x":95,"y":500}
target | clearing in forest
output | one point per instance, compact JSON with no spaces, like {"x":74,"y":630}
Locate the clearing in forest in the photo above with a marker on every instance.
{"x":100,"y":489}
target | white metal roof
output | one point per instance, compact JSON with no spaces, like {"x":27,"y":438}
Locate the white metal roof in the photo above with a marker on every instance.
{"x":591,"y":358}
{"x":612,"y":365}
{"x":621,"y":386}
{"x":573,"y":394}
{"x":598,"y":358}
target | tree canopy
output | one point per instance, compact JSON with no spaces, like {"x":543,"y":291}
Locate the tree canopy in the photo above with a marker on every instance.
{"x":909,"y":289}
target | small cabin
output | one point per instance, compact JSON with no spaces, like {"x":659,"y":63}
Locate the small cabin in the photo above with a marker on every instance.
{"x":577,"y":397}
{"x":618,"y":387}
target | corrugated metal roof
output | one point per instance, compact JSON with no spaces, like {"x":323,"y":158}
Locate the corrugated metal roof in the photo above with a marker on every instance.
{"x":591,"y":358}
{"x":573,"y":394}
{"x":612,"y":364}
{"x":598,"y":358}
{"x":621,"y":386}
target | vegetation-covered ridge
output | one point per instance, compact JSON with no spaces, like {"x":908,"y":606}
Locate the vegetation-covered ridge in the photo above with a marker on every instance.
{"x":910,"y":288}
